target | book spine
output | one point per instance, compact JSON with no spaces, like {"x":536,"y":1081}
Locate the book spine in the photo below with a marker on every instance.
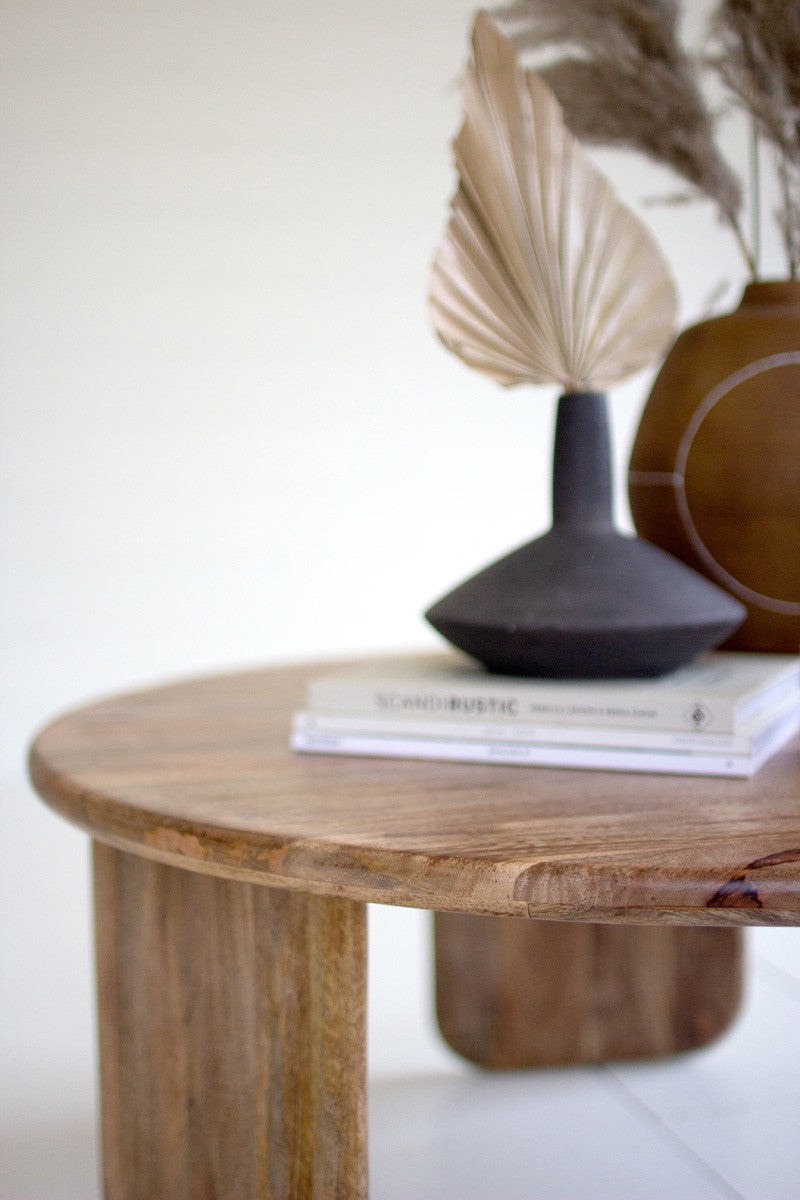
{"x":775,"y":736}
{"x":506,"y":703}
{"x":499,"y":731}
{"x":524,"y":754}
{"x":767,"y":697}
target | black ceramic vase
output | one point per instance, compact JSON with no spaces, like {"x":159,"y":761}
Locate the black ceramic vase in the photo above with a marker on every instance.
{"x":584,"y":601}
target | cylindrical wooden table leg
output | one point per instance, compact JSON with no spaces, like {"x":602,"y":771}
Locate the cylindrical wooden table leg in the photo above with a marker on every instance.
{"x":232,"y":1037}
{"x":517,"y":993}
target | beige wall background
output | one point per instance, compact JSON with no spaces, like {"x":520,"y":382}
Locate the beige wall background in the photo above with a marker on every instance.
{"x":229,"y":435}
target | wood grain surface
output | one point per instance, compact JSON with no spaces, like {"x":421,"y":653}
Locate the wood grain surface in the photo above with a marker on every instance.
{"x":513,"y":993}
{"x":232,"y":1037}
{"x":200,"y":775}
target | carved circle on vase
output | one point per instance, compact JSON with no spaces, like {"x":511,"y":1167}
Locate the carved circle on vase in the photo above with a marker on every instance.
{"x":715,"y":468}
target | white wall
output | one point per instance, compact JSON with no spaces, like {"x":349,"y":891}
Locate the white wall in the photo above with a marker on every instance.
{"x":229,"y":435}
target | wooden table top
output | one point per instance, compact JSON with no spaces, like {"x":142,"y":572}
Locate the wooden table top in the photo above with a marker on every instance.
{"x":199,"y":774}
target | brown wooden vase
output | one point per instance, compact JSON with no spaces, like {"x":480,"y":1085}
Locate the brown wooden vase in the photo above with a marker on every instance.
{"x":715,"y":468}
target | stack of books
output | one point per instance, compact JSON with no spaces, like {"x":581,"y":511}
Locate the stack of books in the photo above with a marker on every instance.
{"x":724,"y":714}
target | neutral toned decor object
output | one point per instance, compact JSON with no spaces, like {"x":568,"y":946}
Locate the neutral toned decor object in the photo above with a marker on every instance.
{"x":231,"y":878}
{"x":544,"y":276}
{"x":625,"y":78}
{"x":712,"y":474}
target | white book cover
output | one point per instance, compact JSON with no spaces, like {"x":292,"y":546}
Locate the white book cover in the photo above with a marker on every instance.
{"x":716,"y":693}
{"x":749,"y":738}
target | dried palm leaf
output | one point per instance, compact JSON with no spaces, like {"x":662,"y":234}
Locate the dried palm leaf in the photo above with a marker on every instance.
{"x":543,"y":275}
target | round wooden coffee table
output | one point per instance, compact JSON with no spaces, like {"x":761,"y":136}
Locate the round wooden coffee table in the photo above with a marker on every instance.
{"x":232,"y":1014}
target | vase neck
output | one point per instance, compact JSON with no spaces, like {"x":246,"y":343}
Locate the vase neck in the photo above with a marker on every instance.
{"x":772,"y":293}
{"x":582,"y":462}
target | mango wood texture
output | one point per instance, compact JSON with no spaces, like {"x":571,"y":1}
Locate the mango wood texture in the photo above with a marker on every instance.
{"x":513,"y":993}
{"x":232,"y":1037}
{"x":200,"y":775}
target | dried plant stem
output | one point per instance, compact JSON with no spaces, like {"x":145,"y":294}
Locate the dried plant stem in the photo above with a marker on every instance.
{"x":758,"y":61}
{"x":755,"y":198}
{"x":744,"y":246}
{"x":789,"y":222}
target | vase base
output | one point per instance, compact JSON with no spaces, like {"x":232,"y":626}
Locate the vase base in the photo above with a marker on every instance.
{"x":584,"y":604}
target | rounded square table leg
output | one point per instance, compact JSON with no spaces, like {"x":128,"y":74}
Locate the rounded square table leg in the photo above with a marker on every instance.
{"x":511,"y":992}
{"x":232,"y":1025}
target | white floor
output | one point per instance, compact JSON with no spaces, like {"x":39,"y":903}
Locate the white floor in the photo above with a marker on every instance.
{"x":722,"y":1122}
{"x":718,"y":1124}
